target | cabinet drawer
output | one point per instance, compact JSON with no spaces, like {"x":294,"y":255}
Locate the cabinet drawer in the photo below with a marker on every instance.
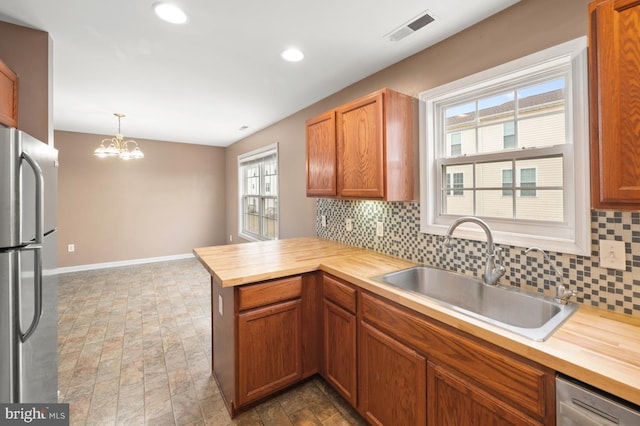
{"x":340,"y":293}
{"x":262,"y":294}
{"x":514,"y":379}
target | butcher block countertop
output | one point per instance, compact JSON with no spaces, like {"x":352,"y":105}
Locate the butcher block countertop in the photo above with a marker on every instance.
{"x":595,"y":346}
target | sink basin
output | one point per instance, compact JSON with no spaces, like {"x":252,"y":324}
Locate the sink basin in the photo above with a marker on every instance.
{"x":531,"y":315}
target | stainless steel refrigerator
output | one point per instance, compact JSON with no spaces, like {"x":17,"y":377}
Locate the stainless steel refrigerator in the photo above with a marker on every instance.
{"x":28,"y":262}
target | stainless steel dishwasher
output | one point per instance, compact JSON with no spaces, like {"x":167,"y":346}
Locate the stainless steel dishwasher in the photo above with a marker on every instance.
{"x":578,"y":404}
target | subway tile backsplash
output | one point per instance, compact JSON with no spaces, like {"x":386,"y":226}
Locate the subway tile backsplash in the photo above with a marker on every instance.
{"x":603,"y":288}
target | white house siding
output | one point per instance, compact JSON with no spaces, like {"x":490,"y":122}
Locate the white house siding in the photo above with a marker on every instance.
{"x":539,"y":131}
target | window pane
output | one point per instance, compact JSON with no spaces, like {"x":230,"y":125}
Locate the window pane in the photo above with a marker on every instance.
{"x":252,"y":215}
{"x":458,"y":183}
{"x":491,"y":203}
{"x":460,"y":117}
{"x":496,"y":108}
{"x":507,"y":182}
{"x":545,"y":130}
{"x":542,"y":98}
{"x":270,"y":218}
{"x":455,"y":144}
{"x":508,"y":135}
{"x":458,"y":176}
{"x":252,"y":179}
{"x":546,"y":206}
{"x":458,"y":204}
{"x":546,"y":171}
{"x":489,"y":175}
{"x":528,"y":180}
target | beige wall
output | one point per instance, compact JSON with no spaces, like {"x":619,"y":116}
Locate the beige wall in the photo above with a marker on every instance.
{"x":115,"y":210}
{"x":524,"y":28}
{"x":28,"y":53}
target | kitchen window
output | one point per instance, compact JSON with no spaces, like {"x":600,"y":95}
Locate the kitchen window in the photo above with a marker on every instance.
{"x":511,"y":144}
{"x":258,"y":190}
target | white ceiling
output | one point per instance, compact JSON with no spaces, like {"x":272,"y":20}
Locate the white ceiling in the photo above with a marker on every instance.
{"x":201,"y":81}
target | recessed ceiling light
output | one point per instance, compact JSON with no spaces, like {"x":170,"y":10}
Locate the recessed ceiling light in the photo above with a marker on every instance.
{"x":170,"y":13}
{"x":292,"y":55}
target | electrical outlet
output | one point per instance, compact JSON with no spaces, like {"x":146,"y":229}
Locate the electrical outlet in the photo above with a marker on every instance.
{"x":379,"y":229}
{"x":71,"y":248}
{"x":348,"y":224}
{"x":220,"y":304}
{"x":230,"y":237}
{"x":612,"y":255}
{"x":323,"y":221}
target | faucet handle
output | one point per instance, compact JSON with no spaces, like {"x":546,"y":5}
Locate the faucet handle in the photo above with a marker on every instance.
{"x":497,"y":253}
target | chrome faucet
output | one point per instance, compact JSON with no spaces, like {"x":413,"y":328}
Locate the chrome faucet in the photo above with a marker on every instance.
{"x":493,"y":268}
{"x":563,"y":294}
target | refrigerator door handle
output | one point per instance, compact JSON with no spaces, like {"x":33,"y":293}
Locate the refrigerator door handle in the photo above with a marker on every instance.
{"x":37,"y":248}
{"x":37,"y":292}
{"x":37,"y":171}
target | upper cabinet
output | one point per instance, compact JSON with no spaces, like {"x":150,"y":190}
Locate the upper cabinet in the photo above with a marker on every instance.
{"x":321,"y":155}
{"x":363,"y":149}
{"x":614,"y":74}
{"x":8,"y":96}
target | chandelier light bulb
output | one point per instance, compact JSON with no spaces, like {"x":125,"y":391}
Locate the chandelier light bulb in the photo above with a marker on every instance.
{"x":117,"y":146}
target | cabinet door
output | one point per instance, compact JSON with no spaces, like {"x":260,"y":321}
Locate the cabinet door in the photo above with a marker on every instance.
{"x":393,"y":380}
{"x":360,"y":141}
{"x":454,"y":400}
{"x":8,"y":96}
{"x":269,"y":349}
{"x":321,"y":155}
{"x":340,"y":350}
{"x":614,"y":57}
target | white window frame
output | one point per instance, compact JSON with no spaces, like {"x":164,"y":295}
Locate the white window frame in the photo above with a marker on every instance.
{"x":573,"y":234}
{"x":257,"y":154}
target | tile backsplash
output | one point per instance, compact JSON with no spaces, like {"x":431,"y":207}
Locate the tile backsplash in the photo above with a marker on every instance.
{"x":610,"y":289}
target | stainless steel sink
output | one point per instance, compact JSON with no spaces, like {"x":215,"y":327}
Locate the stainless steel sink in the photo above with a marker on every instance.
{"x":531,"y":315}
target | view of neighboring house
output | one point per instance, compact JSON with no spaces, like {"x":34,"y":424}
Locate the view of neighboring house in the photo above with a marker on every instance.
{"x":479,"y":174}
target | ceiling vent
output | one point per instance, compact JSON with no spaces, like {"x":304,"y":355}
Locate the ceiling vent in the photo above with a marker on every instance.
{"x":410,"y":27}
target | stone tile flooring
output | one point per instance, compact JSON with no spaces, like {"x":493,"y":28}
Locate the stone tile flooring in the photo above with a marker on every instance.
{"x":135,"y":349}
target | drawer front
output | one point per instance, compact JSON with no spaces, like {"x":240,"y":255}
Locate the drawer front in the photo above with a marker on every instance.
{"x":252,"y":296}
{"x":340,"y":293}
{"x":512,"y":378}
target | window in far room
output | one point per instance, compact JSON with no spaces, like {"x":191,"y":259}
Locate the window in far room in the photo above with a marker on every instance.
{"x":258,"y":194}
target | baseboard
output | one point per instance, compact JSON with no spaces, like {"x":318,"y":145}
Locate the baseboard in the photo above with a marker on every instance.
{"x":89,"y":267}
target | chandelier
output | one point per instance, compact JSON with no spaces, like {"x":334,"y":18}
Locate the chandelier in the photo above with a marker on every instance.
{"x":117,"y":147}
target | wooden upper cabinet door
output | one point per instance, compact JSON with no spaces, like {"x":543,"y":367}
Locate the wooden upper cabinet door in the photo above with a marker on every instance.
{"x":614,"y":65}
{"x":321,"y":155}
{"x":8,"y":96}
{"x":360,"y":137}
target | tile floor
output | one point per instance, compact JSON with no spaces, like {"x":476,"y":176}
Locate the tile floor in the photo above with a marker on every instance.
{"x":135,"y":349}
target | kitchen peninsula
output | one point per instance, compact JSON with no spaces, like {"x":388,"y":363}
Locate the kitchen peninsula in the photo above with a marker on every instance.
{"x":306,"y":296}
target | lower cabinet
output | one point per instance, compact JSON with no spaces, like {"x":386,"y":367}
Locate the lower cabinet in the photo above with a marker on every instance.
{"x":393,"y":380}
{"x":469,"y":381}
{"x":269,"y":350}
{"x":340,"y":350}
{"x":339,"y":337}
{"x":394,"y":365}
{"x":455,"y":400}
